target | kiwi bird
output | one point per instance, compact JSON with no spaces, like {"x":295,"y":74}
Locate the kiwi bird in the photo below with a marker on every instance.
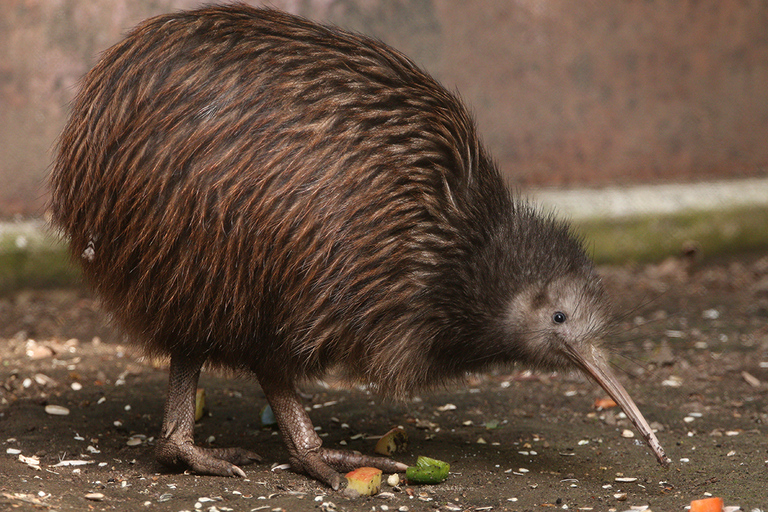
{"x":249,"y":190}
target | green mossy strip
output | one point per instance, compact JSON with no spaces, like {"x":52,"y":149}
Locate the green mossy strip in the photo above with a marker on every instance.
{"x":655,"y":237}
{"x":32,"y":257}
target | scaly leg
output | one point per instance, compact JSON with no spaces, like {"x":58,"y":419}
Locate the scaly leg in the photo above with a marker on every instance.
{"x":305,"y":447}
{"x":176,"y":446}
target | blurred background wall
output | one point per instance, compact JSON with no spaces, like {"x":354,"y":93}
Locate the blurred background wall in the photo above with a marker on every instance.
{"x":593,"y":92}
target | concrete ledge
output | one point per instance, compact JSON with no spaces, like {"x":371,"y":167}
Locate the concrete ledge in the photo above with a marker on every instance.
{"x":644,"y":223}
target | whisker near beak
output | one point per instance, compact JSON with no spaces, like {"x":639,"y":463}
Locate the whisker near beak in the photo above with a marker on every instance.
{"x":598,"y":369}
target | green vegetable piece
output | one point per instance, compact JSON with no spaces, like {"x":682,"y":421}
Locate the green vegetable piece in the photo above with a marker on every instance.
{"x":423,"y":461}
{"x":427,"y":471}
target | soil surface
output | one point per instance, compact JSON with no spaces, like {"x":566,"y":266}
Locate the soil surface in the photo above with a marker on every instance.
{"x":690,"y":344}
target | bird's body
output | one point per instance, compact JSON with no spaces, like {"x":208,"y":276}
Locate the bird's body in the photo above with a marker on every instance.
{"x":251,"y":190}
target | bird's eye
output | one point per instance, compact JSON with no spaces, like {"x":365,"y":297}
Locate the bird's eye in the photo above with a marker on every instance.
{"x":559,"y":317}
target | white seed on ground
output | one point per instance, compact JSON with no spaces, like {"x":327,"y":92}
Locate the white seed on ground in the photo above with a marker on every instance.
{"x":620,"y":496}
{"x":625,"y":479}
{"x":480,"y":440}
{"x":751,"y":379}
{"x":134,"y":441}
{"x":732,"y":433}
{"x":583,"y":442}
{"x":688,"y":419}
{"x":102,"y":400}
{"x":56,"y":410}
{"x":673,"y":382}
{"x":94,"y":496}
{"x":393,"y":480}
{"x":76,"y":386}
{"x":446,"y":407}
{"x":13,"y":451}
{"x":731,"y":453}
{"x":44,"y":380}
{"x":627,"y":433}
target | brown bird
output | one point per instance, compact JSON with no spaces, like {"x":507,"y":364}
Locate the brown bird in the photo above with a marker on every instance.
{"x":253,"y":191}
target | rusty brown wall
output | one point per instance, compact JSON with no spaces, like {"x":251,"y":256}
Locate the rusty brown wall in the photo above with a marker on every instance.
{"x":565,"y":92}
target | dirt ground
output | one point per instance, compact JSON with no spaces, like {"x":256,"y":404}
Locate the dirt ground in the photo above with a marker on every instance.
{"x":690,"y":344}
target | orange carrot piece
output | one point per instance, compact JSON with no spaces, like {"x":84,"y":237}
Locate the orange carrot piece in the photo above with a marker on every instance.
{"x":707,"y":505}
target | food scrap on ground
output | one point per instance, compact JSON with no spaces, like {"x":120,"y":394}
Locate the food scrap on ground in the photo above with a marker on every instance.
{"x":707,"y":505}
{"x":366,"y":481}
{"x":394,"y":441}
{"x":427,"y":471}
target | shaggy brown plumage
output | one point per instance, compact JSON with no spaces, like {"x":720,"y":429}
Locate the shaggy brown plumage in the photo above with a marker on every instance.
{"x":253,"y":190}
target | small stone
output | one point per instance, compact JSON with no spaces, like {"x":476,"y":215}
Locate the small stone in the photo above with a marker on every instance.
{"x":620,"y":496}
{"x":94,"y":496}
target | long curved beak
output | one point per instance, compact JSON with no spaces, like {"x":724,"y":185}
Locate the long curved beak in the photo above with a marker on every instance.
{"x":596,"y":367}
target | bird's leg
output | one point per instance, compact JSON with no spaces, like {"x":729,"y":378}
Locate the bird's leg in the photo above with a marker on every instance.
{"x":176,"y":447}
{"x":306,"y":453}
